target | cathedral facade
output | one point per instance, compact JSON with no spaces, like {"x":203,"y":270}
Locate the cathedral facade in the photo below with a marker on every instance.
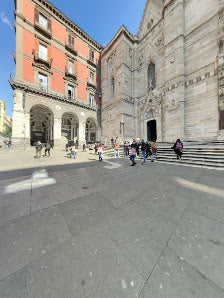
{"x":167,"y":82}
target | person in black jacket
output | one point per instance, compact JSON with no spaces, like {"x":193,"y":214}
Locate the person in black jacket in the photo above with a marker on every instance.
{"x":143,"y":149}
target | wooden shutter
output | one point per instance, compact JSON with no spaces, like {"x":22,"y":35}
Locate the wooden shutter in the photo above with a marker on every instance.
{"x":49,"y":25}
{"x":221,"y":119}
{"x":49,"y":53}
{"x":69,"y":39}
{"x":36,"y":15}
{"x":66,"y":64}
{"x":95,"y":79}
{"x":90,"y":53}
{"x":36,"y":47}
{"x":72,"y":42}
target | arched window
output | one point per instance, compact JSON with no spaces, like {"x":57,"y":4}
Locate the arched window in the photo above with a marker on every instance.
{"x":112,"y":88}
{"x":151,"y":77}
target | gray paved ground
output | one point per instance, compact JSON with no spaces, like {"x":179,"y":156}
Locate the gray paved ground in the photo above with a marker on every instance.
{"x":111,"y":230}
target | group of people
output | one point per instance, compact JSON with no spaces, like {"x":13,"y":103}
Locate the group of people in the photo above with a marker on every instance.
{"x":40,"y":146}
{"x":147,"y":149}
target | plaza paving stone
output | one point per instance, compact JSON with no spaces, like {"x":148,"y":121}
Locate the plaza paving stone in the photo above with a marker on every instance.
{"x":111,"y":230}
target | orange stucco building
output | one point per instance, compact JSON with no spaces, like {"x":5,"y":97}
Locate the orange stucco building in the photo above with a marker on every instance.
{"x":57,"y":92}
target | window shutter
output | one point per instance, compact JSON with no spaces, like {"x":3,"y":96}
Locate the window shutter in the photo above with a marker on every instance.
{"x":36,"y":47}
{"x":90,"y":53}
{"x":72,"y":41}
{"x":69,"y":39}
{"x":49,"y":53}
{"x":75,"y":67}
{"x":36,"y":15}
{"x":95,"y":79}
{"x":49,"y":25}
{"x":66,"y":64}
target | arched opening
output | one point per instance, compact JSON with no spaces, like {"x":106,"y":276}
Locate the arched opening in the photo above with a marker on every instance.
{"x":69,"y":128}
{"x":151,"y":76}
{"x":41,"y":124}
{"x":151,"y":130}
{"x":90,"y":131}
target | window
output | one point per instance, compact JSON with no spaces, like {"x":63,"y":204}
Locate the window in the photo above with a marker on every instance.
{"x":91,"y":77}
{"x":42,"y":81}
{"x":91,"y":55}
{"x":43,"y":21}
{"x":112,"y":88}
{"x":71,"y":67}
{"x":70,"y":92}
{"x":42,"y":52}
{"x":71,"y":41}
{"x":151,"y":77}
{"x":91,"y":100}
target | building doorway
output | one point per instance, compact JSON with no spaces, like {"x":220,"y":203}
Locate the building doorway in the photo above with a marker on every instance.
{"x":69,"y":128}
{"x":41,"y":124}
{"x":90,"y":131}
{"x":151,"y":130}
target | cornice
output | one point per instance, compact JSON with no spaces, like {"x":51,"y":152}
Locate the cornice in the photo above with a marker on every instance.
{"x":17,"y":85}
{"x":58,"y":14}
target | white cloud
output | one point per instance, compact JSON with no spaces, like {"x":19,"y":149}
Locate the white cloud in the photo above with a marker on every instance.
{"x":6,"y":21}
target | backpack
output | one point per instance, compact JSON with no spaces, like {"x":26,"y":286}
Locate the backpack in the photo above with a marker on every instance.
{"x":179,"y":146}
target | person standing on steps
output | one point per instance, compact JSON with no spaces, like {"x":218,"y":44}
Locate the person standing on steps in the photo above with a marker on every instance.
{"x":178,"y":148}
{"x":143,"y":149}
{"x":100,"y":152}
{"x":153,"y":150}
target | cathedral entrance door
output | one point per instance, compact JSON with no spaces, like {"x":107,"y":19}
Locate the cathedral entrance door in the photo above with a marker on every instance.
{"x":151,"y":130}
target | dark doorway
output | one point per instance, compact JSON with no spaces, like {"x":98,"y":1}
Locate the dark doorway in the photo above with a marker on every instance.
{"x":151,"y":130}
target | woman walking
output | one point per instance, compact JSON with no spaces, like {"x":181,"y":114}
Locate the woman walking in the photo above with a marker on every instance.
{"x":100,"y":152}
{"x":133,"y":153}
{"x":178,"y":148}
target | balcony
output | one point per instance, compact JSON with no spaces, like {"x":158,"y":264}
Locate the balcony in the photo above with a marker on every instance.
{"x":91,"y":84}
{"x":43,"y":30}
{"x":70,"y":75}
{"x":70,"y":47}
{"x":40,"y":60}
{"x":91,"y":62}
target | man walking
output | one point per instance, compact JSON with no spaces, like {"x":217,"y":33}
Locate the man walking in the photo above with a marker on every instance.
{"x":38,"y":149}
{"x":143,"y":149}
{"x":72,"y":151}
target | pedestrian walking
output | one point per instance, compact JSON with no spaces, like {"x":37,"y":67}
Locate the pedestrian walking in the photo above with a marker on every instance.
{"x":133,"y":153}
{"x":38,"y":149}
{"x":116,"y":150}
{"x":84,"y":147}
{"x":72,"y":148}
{"x":126,"y":148}
{"x":100,"y":152}
{"x":143,"y":149}
{"x":47,"y":149}
{"x":153,"y":150}
{"x":178,"y":148}
{"x":95,"y":148}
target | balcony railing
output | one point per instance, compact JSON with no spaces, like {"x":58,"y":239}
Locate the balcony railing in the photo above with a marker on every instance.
{"x":46,"y":31}
{"x":69,"y":74}
{"x":91,"y":61}
{"x":91,"y":83}
{"x":70,"y":47}
{"x":38,"y":59}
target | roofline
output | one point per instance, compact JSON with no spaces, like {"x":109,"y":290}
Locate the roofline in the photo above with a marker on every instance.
{"x":121,"y":30}
{"x":69,"y":22}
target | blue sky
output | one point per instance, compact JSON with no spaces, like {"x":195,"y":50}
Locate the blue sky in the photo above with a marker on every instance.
{"x":100,"y":19}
